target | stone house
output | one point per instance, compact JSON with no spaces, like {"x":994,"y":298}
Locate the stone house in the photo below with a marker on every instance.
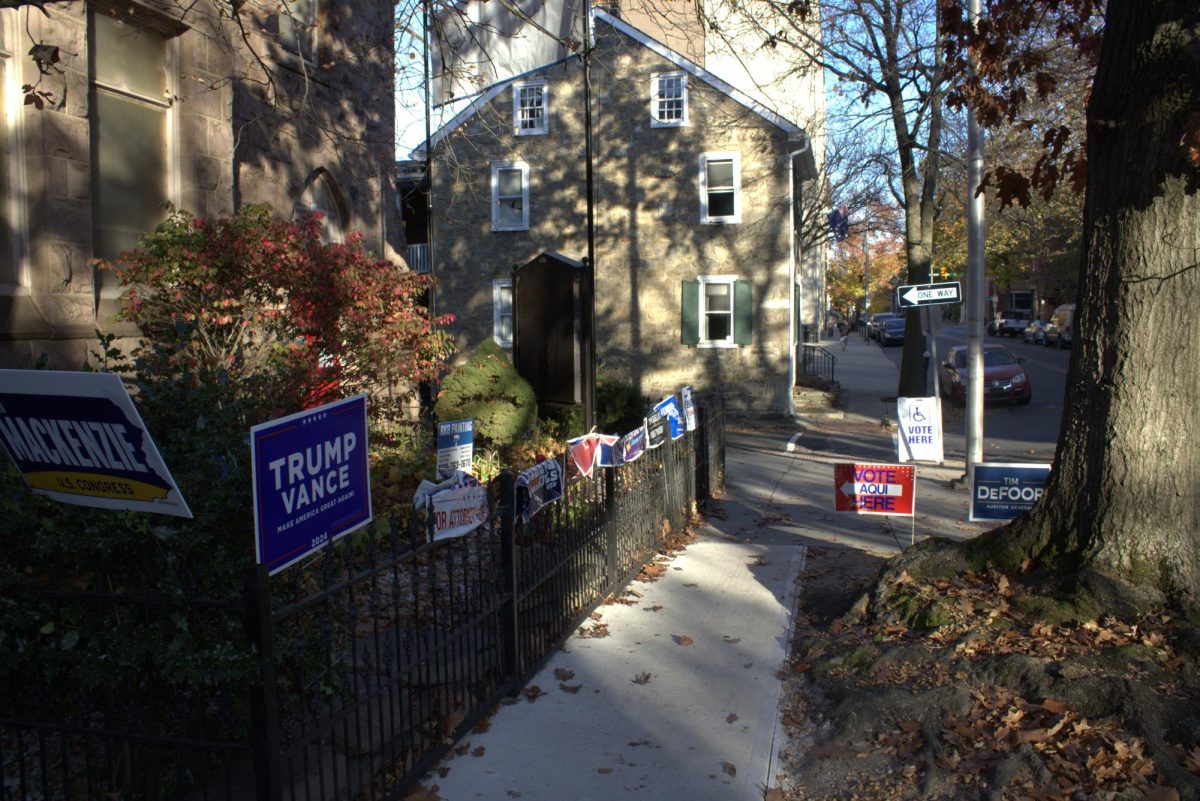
{"x":156,"y":102}
{"x":698,"y":273}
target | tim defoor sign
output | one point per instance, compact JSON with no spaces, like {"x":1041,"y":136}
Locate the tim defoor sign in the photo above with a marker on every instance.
{"x":311,"y":482}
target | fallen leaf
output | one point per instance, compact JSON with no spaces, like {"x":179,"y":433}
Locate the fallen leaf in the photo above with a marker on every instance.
{"x":682,"y":639}
{"x":478,"y":752}
{"x":562,"y":674}
{"x":693,"y":584}
{"x":731,"y":640}
{"x":1054,"y":706}
{"x":513,"y":794}
{"x":443,"y":771}
{"x":910,"y":726}
{"x":730,"y":718}
{"x":570,"y":688}
{"x":463,"y":749}
{"x":729,"y":768}
{"x":422,"y":794}
{"x":654,"y":608}
{"x":774,"y":794}
{"x":641,"y":678}
{"x":533,"y":692}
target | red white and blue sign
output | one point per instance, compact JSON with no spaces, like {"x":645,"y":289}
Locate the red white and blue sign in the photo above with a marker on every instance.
{"x":1006,"y":491}
{"x":311,"y":481}
{"x":874,"y":489}
{"x":538,"y":486}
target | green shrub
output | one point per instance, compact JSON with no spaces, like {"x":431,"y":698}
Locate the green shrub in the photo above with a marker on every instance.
{"x":488,"y":390}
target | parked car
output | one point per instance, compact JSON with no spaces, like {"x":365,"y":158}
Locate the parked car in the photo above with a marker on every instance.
{"x":876,"y":321}
{"x":1035,"y":332}
{"x":1004,"y":380}
{"x":1060,"y":328}
{"x":1009,"y":323}
{"x":892,"y":332}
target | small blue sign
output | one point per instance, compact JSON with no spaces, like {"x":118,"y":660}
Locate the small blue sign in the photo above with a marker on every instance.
{"x":455,"y":446}
{"x":1006,"y":491}
{"x":311,"y":481}
{"x":669,"y":408}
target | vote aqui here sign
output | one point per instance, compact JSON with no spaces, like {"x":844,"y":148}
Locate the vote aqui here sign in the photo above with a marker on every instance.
{"x":874,"y":489}
{"x":311,"y":480}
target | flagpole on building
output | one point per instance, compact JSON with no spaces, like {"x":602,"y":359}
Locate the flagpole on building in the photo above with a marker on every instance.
{"x":428,"y":19}
{"x":588,"y":301}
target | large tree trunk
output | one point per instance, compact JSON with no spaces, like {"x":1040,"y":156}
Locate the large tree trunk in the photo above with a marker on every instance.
{"x":1124,"y":495}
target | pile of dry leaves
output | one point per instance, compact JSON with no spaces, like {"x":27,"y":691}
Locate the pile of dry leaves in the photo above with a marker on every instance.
{"x":967,"y":691}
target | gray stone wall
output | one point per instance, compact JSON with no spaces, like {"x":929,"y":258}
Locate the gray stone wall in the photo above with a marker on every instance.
{"x":648,"y":232}
{"x":251,"y":124}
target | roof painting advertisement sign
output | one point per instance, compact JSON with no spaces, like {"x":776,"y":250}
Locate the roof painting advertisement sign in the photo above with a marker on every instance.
{"x":77,"y":438}
{"x":311,"y":481}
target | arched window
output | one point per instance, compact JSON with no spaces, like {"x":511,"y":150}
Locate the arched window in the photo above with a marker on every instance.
{"x":321,"y":194}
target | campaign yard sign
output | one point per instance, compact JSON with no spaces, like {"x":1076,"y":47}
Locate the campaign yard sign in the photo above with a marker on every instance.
{"x":689,"y":407}
{"x":455,"y":446}
{"x":669,"y":408}
{"x":920,"y":434}
{"x":77,"y":438}
{"x":874,"y":489}
{"x":311,"y":482}
{"x":633,"y":445}
{"x":1005,"y":491}
{"x":538,"y":486}
{"x":656,"y":430}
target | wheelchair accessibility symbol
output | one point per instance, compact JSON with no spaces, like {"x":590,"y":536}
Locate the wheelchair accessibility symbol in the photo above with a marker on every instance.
{"x":918,"y":416}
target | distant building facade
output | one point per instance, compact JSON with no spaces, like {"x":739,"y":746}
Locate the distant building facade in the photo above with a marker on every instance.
{"x":156,"y":103}
{"x":697,"y":187}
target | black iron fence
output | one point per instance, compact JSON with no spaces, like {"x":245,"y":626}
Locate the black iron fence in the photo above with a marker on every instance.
{"x":365,"y":665}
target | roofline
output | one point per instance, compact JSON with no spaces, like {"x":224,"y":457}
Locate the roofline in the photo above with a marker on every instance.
{"x":794,"y":131}
{"x":692,"y":68}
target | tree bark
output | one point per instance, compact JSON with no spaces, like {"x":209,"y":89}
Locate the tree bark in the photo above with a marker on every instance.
{"x":1124,"y":495}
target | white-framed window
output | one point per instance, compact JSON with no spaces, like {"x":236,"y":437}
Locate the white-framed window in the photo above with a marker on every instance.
{"x":720,"y":188}
{"x":320,"y":194}
{"x":298,"y":28}
{"x":510,"y":196}
{"x":502,"y":312}
{"x":12,"y":209}
{"x":668,"y":100}
{"x":132,"y":132}
{"x":716,"y":311}
{"x":531,"y":108}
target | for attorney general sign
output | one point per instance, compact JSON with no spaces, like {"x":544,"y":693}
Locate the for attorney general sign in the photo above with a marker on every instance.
{"x":77,"y":438}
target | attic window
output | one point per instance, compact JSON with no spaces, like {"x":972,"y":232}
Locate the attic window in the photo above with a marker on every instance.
{"x":668,"y":100}
{"x":530,"y":108}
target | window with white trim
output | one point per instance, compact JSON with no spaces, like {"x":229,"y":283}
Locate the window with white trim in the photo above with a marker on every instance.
{"x":720,"y":188}
{"x":298,"y":28}
{"x":130,"y":119}
{"x":716,"y":311}
{"x":510,"y":196}
{"x":668,"y":100}
{"x":530,"y":108}
{"x":502,"y":312}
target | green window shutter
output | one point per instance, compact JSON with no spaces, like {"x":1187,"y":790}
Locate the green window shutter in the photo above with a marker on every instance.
{"x":743,"y":313}
{"x":690,"y":313}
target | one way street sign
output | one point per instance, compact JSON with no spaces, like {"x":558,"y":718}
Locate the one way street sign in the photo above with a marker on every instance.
{"x":930,"y":294}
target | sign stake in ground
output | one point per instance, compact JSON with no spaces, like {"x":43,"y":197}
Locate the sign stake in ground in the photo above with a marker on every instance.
{"x":929,"y":294}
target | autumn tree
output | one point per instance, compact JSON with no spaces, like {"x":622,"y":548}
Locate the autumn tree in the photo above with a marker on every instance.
{"x":1121,"y":500}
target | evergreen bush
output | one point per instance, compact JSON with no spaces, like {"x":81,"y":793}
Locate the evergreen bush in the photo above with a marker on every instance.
{"x":488,"y":390}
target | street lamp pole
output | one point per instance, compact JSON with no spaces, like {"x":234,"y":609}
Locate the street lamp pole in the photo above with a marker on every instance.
{"x":975,"y":278}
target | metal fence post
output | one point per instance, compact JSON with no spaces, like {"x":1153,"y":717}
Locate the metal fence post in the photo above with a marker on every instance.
{"x":509,"y":618}
{"x":610,"y":527}
{"x":701,"y":454}
{"x":264,"y":703}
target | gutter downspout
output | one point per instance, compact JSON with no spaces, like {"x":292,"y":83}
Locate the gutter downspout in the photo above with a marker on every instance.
{"x":794,"y":319}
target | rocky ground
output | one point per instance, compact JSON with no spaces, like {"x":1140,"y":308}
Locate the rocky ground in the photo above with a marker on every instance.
{"x":920,"y":678}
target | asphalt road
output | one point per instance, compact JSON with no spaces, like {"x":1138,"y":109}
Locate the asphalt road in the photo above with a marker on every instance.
{"x":1010,"y":433}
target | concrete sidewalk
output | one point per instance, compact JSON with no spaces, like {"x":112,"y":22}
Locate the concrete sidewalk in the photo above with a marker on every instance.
{"x":681,"y":699}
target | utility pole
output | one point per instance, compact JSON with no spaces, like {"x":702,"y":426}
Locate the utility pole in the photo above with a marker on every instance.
{"x":975,"y":278}
{"x":588,"y":335}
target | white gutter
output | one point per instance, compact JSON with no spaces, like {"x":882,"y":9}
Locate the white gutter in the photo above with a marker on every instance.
{"x":793,"y":318}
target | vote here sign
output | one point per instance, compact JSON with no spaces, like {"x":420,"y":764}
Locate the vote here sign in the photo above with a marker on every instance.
{"x":874,"y":489}
{"x":311,"y":482}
